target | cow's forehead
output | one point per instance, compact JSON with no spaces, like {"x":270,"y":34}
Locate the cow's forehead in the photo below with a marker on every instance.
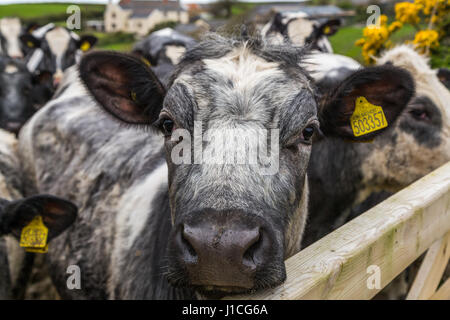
{"x":58,"y":40}
{"x":10,"y":26}
{"x":242,"y":86}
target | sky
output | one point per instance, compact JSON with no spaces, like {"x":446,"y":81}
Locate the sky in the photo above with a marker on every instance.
{"x":105,"y":1}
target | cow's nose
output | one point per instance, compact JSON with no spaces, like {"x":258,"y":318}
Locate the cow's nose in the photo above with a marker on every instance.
{"x":221,"y":253}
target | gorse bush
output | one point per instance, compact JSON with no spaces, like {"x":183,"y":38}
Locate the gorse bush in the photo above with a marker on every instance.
{"x":430,"y":18}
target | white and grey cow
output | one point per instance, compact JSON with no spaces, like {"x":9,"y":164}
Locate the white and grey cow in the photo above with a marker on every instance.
{"x":298,"y":29}
{"x":53,"y":49}
{"x":151,"y":227}
{"x":16,"y":212}
{"x":416,"y":144}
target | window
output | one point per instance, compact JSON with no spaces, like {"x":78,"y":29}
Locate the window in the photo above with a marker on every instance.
{"x":113,"y":15}
{"x":113,"y":26}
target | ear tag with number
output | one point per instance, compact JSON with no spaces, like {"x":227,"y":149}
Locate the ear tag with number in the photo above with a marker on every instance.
{"x":367,"y":117}
{"x":34,"y":236}
{"x":30,"y":44}
{"x":85,"y":46}
{"x":327,"y":30}
{"x":146,"y":62}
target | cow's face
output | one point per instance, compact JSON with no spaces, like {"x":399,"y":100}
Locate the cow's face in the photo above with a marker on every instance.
{"x":57,"y":50}
{"x":300,"y":30}
{"x":232,"y":104}
{"x":420,"y":140}
{"x":20,"y":94}
{"x":10,"y":30}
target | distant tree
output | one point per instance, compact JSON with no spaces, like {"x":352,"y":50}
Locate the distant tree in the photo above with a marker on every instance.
{"x":222,"y":8}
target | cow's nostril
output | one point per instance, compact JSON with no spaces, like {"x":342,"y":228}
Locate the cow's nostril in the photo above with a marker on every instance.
{"x":253,"y":246}
{"x":187,"y":244}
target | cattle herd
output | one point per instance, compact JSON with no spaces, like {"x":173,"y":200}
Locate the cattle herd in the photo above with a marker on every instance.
{"x":87,"y":142}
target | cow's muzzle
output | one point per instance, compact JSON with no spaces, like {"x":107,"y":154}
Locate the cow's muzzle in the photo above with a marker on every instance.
{"x":222,"y":251}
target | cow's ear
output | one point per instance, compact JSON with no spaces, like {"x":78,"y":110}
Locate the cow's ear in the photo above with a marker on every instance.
{"x":29,"y":41}
{"x":123,"y":85}
{"x":31,"y":27}
{"x":86,"y":42}
{"x":385,"y":86}
{"x":57,"y":214}
{"x":443,"y":75}
{"x":329,"y":27}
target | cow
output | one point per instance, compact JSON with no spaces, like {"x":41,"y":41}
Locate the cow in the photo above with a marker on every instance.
{"x":163,"y":49}
{"x":347,"y":179}
{"x":416,"y":144}
{"x":154,"y":227}
{"x":16,"y":211}
{"x":21,"y":93}
{"x":53,"y":49}
{"x":300,"y":30}
{"x":10,"y":30}
{"x":57,"y":215}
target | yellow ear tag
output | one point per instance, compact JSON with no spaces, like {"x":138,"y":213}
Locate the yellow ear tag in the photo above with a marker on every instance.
{"x":367,"y":117}
{"x":133,"y":96}
{"x":146,"y":62}
{"x":37,"y":250}
{"x":34,"y":236}
{"x":30,"y":44}
{"x":85,"y":46}
{"x":327,"y":30}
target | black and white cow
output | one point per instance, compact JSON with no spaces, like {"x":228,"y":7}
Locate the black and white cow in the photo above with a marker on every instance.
{"x":53,"y":49}
{"x":300,"y":30}
{"x":152,"y":227}
{"x":10,"y":30}
{"x":21,"y":93}
{"x":163,"y":49}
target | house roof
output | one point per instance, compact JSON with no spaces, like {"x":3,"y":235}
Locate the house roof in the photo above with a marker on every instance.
{"x":142,"y":8}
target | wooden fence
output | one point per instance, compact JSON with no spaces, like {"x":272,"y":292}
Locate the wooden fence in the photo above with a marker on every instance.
{"x":385,"y":239}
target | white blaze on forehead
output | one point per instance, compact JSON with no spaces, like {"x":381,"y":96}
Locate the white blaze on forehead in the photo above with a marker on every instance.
{"x":58,"y":40}
{"x":174,"y":53}
{"x":10,"y":68}
{"x":300,"y":29}
{"x":11,"y":28}
{"x":244,"y":68}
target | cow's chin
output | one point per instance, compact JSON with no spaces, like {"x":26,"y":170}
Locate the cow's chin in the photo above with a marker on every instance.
{"x":218,"y":292}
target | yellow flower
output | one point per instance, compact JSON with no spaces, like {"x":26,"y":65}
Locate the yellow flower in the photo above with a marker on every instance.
{"x":407,"y":12}
{"x":360,"y":42}
{"x":394,"y":26}
{"x":426,"y":39}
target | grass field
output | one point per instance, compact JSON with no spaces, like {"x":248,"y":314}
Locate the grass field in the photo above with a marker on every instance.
{"x":45,"y":12}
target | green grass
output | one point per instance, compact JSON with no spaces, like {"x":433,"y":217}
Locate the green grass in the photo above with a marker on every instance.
{"x":48,"y":12}
{"x":114,"y":41}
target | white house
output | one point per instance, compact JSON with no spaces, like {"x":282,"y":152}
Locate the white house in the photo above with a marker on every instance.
{"x":140,"y":16}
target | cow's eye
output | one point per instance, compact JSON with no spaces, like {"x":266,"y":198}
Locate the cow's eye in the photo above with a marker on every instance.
{"x":308,"y":132}
{"x":167,"y":125}
{"x":420,"y":115}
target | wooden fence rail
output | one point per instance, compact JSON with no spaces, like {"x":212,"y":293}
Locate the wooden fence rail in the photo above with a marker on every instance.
{"x":385,"y":240}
